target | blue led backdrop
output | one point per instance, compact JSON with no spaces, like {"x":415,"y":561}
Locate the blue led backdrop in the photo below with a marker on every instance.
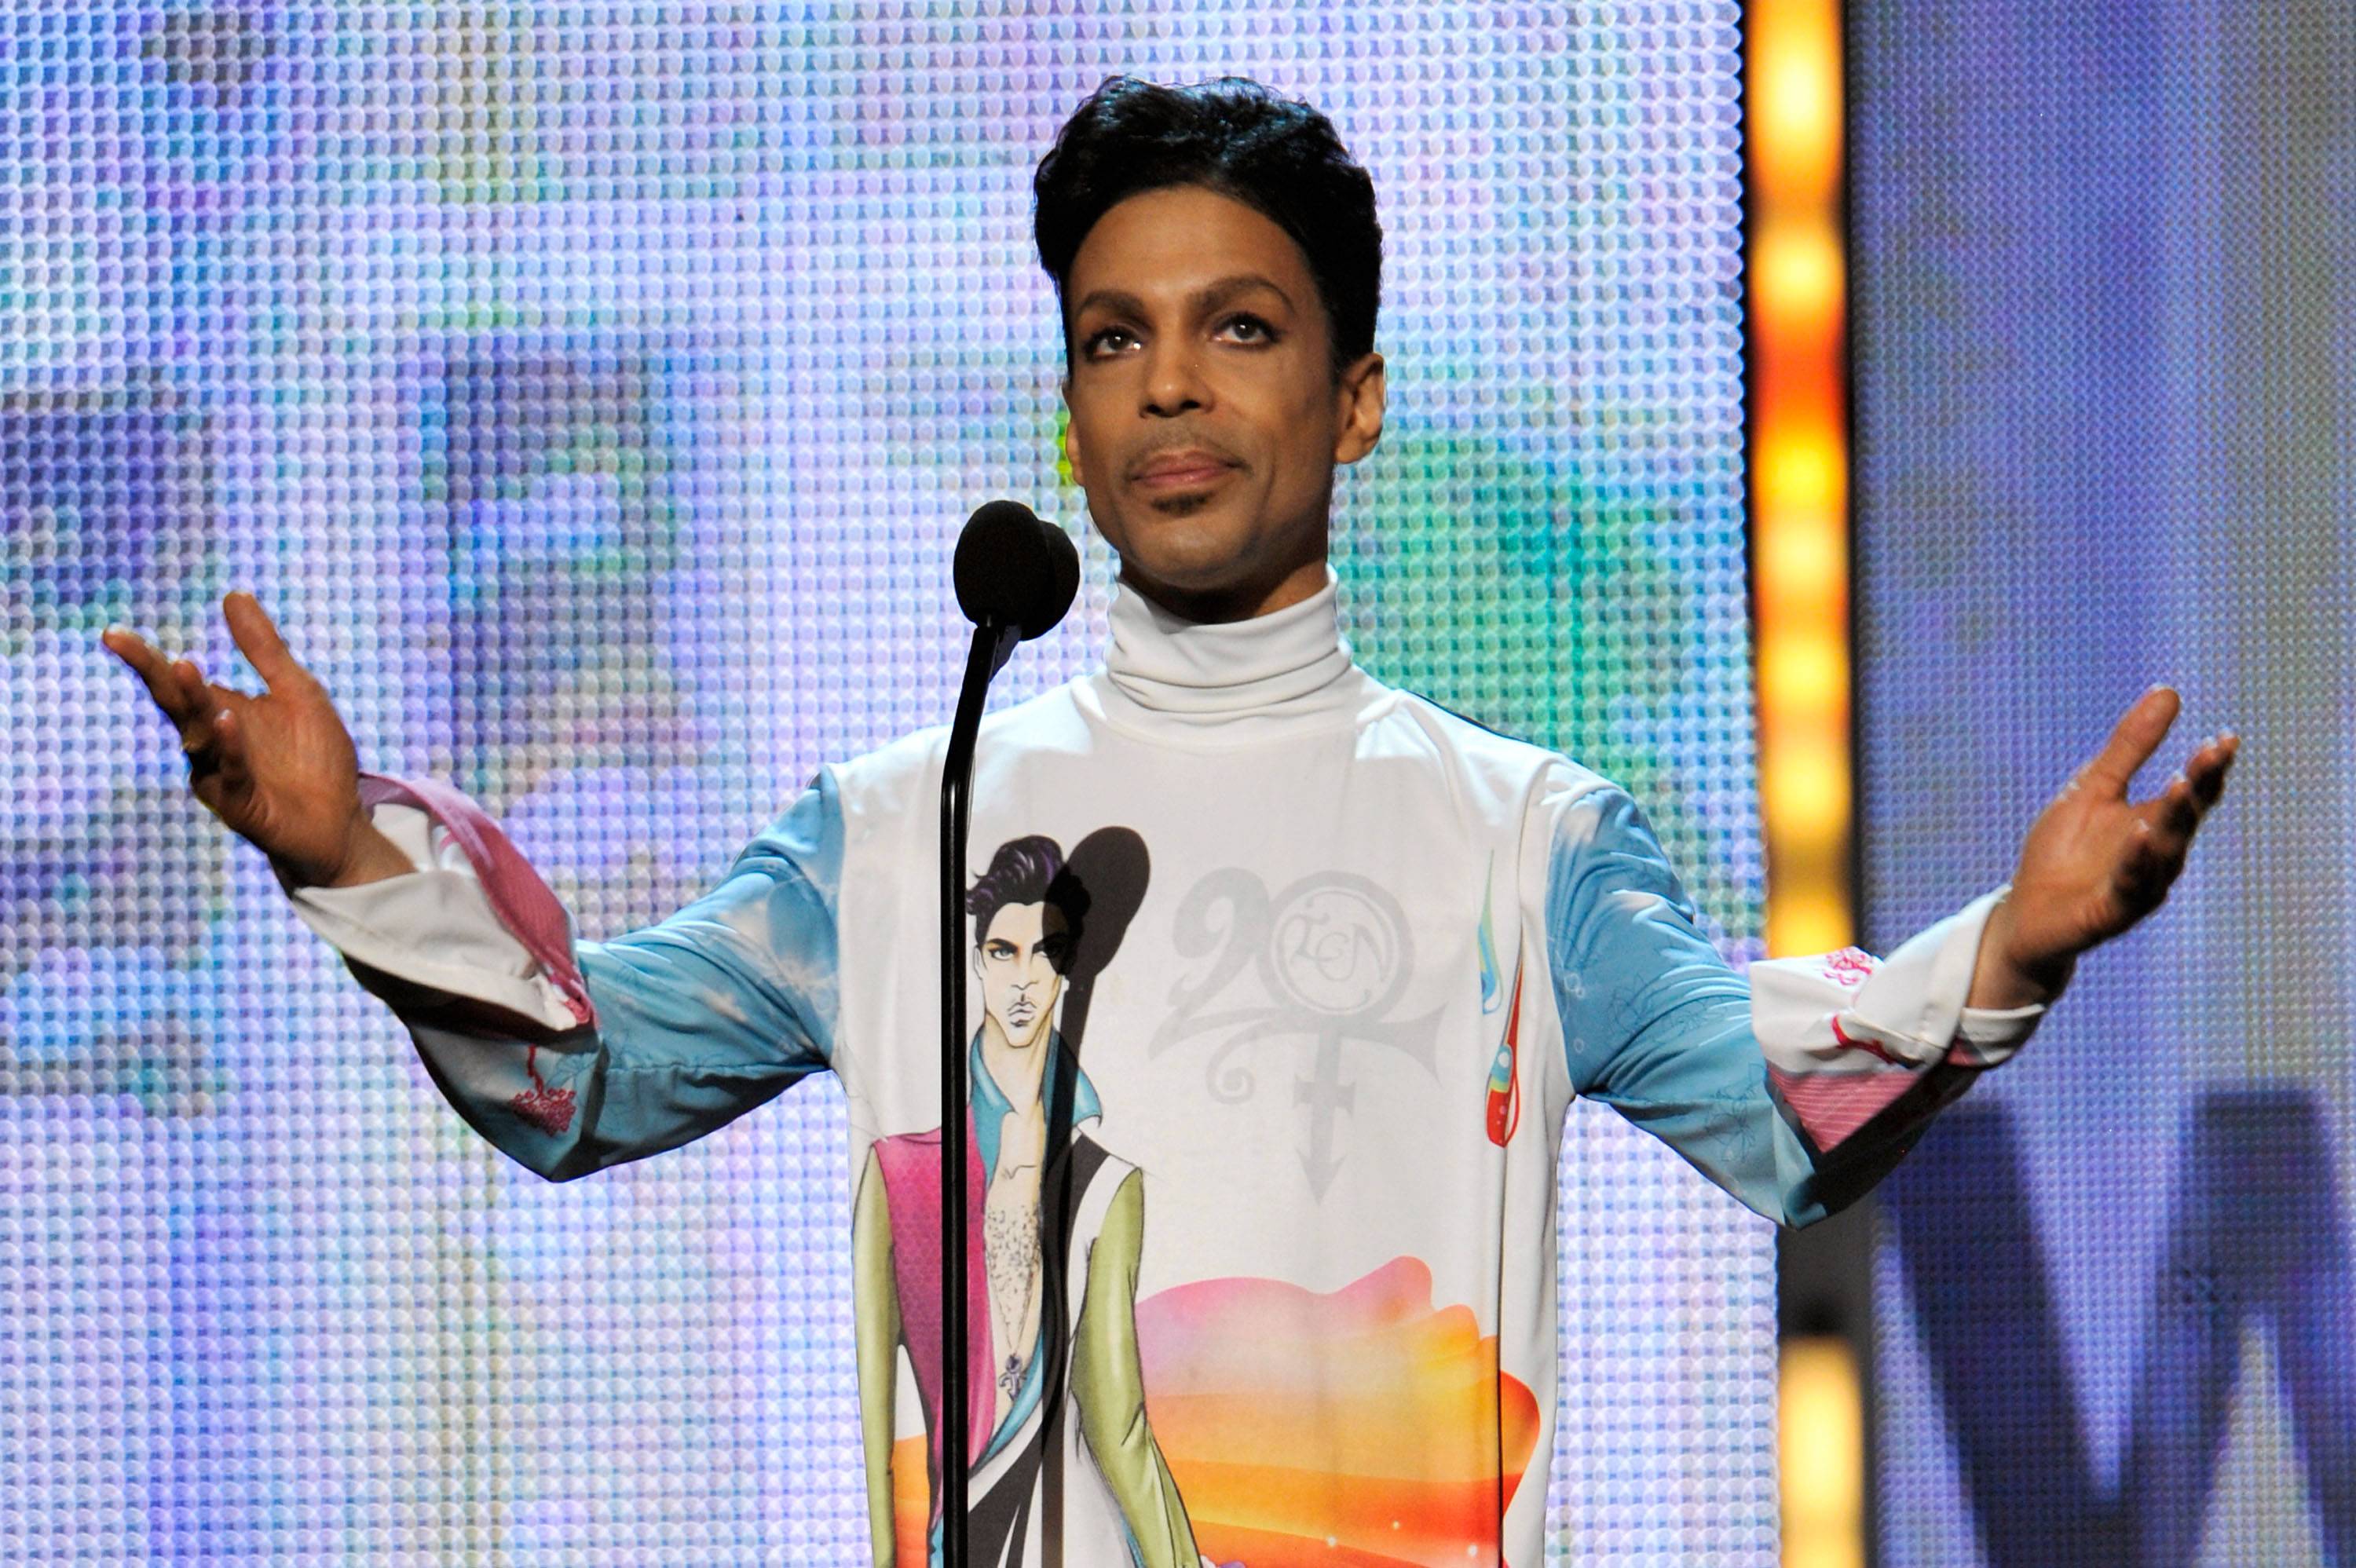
{"x":593,"y":393}
{"x":2105,"y":417}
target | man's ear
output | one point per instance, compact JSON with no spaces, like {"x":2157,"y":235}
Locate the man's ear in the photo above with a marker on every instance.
{"x":1359,"y":402}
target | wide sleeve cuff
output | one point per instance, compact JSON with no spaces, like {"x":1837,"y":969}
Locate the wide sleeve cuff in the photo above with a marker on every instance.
{"x":473,"y":920}
{"x":1844,"y":1033}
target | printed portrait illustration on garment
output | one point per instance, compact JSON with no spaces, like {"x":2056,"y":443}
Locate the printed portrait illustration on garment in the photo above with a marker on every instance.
{"x":1062,"y":1464}
{"x":1181,"y":1429}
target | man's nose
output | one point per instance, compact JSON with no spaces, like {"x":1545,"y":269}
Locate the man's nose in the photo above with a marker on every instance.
{"x":1173,"y":381}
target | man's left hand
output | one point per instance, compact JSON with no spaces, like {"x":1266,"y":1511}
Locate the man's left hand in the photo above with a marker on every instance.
{"x":2095,"y":862}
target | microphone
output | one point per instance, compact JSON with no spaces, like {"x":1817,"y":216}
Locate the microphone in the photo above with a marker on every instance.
{"x":1012,"y":569}
{"x":1015,"y":578}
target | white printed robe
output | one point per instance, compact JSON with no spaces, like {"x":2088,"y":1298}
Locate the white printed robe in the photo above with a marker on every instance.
{"x":1368,"y":953}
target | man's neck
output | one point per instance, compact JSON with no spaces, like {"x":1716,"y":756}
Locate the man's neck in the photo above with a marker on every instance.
{"x":1018,"y":1071}
{"x":1239,"y":601}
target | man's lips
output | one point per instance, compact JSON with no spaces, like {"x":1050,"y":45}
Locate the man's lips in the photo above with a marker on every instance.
{"x":1180,"y":469}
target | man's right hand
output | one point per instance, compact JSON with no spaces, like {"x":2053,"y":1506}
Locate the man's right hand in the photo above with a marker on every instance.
{"x":280,"y":769}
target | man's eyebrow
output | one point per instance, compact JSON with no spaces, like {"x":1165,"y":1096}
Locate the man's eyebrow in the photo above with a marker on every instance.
{"x":1209,"y":297}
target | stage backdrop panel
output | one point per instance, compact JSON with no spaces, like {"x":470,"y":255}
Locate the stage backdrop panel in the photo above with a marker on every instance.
{"x":2105,"y":349}
{"x":594,"y":392}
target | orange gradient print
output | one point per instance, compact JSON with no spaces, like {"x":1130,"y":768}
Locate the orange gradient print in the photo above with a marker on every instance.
{"x":1362,"y":1428}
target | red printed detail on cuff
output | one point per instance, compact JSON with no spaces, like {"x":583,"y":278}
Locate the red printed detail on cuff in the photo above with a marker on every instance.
{"x":522,"y":900}
{"x":1851,"y":967}
{"x":1870,"y":1047}
{"x":550,"y":1110}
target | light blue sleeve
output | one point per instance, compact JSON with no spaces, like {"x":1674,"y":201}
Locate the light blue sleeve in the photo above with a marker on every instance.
{"x":632,"y":1045}
{"x":1659,"y":1027}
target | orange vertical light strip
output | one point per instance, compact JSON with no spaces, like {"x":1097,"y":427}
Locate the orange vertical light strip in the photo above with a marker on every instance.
{"x":1820,"y":1454}
{"x":1800,"y":553}
{"x":1800,"y":469}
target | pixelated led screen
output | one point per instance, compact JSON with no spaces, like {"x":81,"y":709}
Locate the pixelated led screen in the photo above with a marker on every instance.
{"x":595,"y":393}
{"x":2105,"y":348}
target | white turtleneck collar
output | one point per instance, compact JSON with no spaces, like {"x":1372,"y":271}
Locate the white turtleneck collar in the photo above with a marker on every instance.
{"x":1239,"y":678}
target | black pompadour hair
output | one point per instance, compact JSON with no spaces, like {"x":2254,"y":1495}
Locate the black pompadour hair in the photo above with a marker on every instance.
{"x":1029,"y":871}
{"x":1236,"y":136}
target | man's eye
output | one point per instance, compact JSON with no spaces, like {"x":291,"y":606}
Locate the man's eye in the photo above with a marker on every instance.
{"x":1264,"y":333}
{"x":1099,"y":336}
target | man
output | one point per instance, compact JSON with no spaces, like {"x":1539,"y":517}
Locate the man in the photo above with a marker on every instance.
{"x":1349,"y":1132}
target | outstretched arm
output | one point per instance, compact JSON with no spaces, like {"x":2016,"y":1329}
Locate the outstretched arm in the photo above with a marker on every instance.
{"x":573,"y":1055}
{"x":1800,"y":1085}
{"x":569,"y":1055}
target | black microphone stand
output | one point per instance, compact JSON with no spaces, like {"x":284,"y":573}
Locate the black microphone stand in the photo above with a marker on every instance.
{"x":992,"y":644}
{"x":1015,"y":578}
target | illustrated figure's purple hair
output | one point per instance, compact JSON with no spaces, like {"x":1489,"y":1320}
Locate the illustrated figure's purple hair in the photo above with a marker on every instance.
{"x":1029,"y":870}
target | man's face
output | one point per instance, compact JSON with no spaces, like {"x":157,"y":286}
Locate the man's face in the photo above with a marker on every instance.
{"x":1017,"y":960}
{"x":1205,"y":422}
